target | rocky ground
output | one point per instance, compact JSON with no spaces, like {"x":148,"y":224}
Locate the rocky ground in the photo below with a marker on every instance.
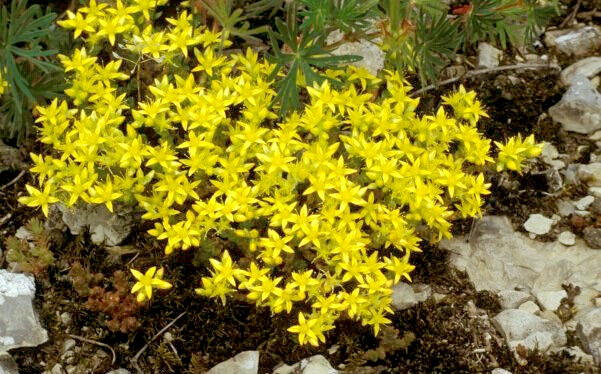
{"x":518,"y":291}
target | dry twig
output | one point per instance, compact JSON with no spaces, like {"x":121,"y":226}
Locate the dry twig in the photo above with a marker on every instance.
{"x":134,"y":360}
{"x":86,"y":340}
{"x":473,"y":73}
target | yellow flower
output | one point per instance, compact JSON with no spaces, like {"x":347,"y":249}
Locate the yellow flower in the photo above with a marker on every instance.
{"x":147,"y":281}
{"x":39,"y":198}
{"x":305,"y":330}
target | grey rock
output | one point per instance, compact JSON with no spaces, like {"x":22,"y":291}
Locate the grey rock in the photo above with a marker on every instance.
{"x":511,"y":299}
{"x":246,"y":362}
{"x":589,"y":174}
{"x":313,"y":365}
{"x":522,"y":328}
{"x":589,"y":332}
{"x":588,"y":67}
{"x":105,"y":227}
{"x":10,"y":158}
{"x":57,"y":369}
{"x":595,"y":207}
{"x":567,"y":238}
{"x":577,"y":42}
{"x":538,"y":224}
{"x":119,"y":371}
{"x":19,"y":325}
{"x":8,"y":365}
{"x":500,"y":371}
{"x":68,"y":344}
{"x":405,"y":296}
{"x":549,"y":152}
{"x":488,"y":56}
{"x":595,"y":191}
{"x":496,"y":258}
{"x":592,"y":237}
{"x":579,"y":110}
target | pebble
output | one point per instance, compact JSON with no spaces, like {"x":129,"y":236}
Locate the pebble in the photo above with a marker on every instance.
{"x":538,"y":224}
{"x":567,"y":238}
{"x":584,"y":203}
{"x":592,"y":237}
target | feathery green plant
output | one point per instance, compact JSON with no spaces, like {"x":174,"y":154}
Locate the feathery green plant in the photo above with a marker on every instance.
{"x":31,"y":75}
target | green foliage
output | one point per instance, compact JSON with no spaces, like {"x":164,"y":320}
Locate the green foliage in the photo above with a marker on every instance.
{"x":233,"y":21}
{"x":32,"y":77}
{"x":31,"y":255}
{"x":423,"y":35}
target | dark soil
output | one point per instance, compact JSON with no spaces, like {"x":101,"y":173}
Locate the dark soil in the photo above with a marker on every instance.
{"x":452,"y":335}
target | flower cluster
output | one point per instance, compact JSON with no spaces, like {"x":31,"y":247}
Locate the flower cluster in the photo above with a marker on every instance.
{"x":325,"y":205}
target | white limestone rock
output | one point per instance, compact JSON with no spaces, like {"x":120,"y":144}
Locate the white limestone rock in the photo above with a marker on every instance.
{"x":575,"y":41}
{"x":550,"y":300}
{"x":313,"y":365}
{"x":522,"y":328}
{"x":511,"y":299}
{"x":579,"y":110}
{"x":567,"y":238}
{"x":246,"y":362}
{"x":588,"y":67}
{"x":538,"y":224}
{"x":8,"y":365}
{"x":105,"y":227}
{"x":488,"y":56}
{"x":19,"y":325}
{"x":584,"y":203}
{"x":496,"y":258}
{"x":530,"y":307}
{"x":373,"y":56}
{"x":589,"y":332}
{"x":589,"y":174}
{"x":405,"y":296}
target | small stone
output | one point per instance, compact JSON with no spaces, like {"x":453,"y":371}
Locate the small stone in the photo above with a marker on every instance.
{"x":119,"y":371}
{"x":590,"y":174}
{"x":246,"y":362}
{"x":530,"y":307}
{"x":595,"y":191}
{"x":511,"y":299}
{"x":579,"y":354}
{"x":565,"y":208}
{"x":68,"y":344}
{"x":549,"y":152}
{"x":588,"y":67}
{"x":500,"y":371}
{"x":313,"y":365}
{"x":523,"y":328}
{"x":65,"y":318}
{"x":567,"y":238}
{"x":57,"y":369}
{"x":488,"y":56}
{"x":538,"y":224}
{"x":589,"y":332}
{"x":405,"y":296}
{"x":592,"y":237}
{"x":595,"y":207}
{"x":596,"y":135}
{"x":579,"y":109}
{"x":575,"y":41}
{"x":584,"y":203}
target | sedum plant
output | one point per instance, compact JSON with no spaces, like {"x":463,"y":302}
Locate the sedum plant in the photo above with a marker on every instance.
{"x":325,"y":205}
